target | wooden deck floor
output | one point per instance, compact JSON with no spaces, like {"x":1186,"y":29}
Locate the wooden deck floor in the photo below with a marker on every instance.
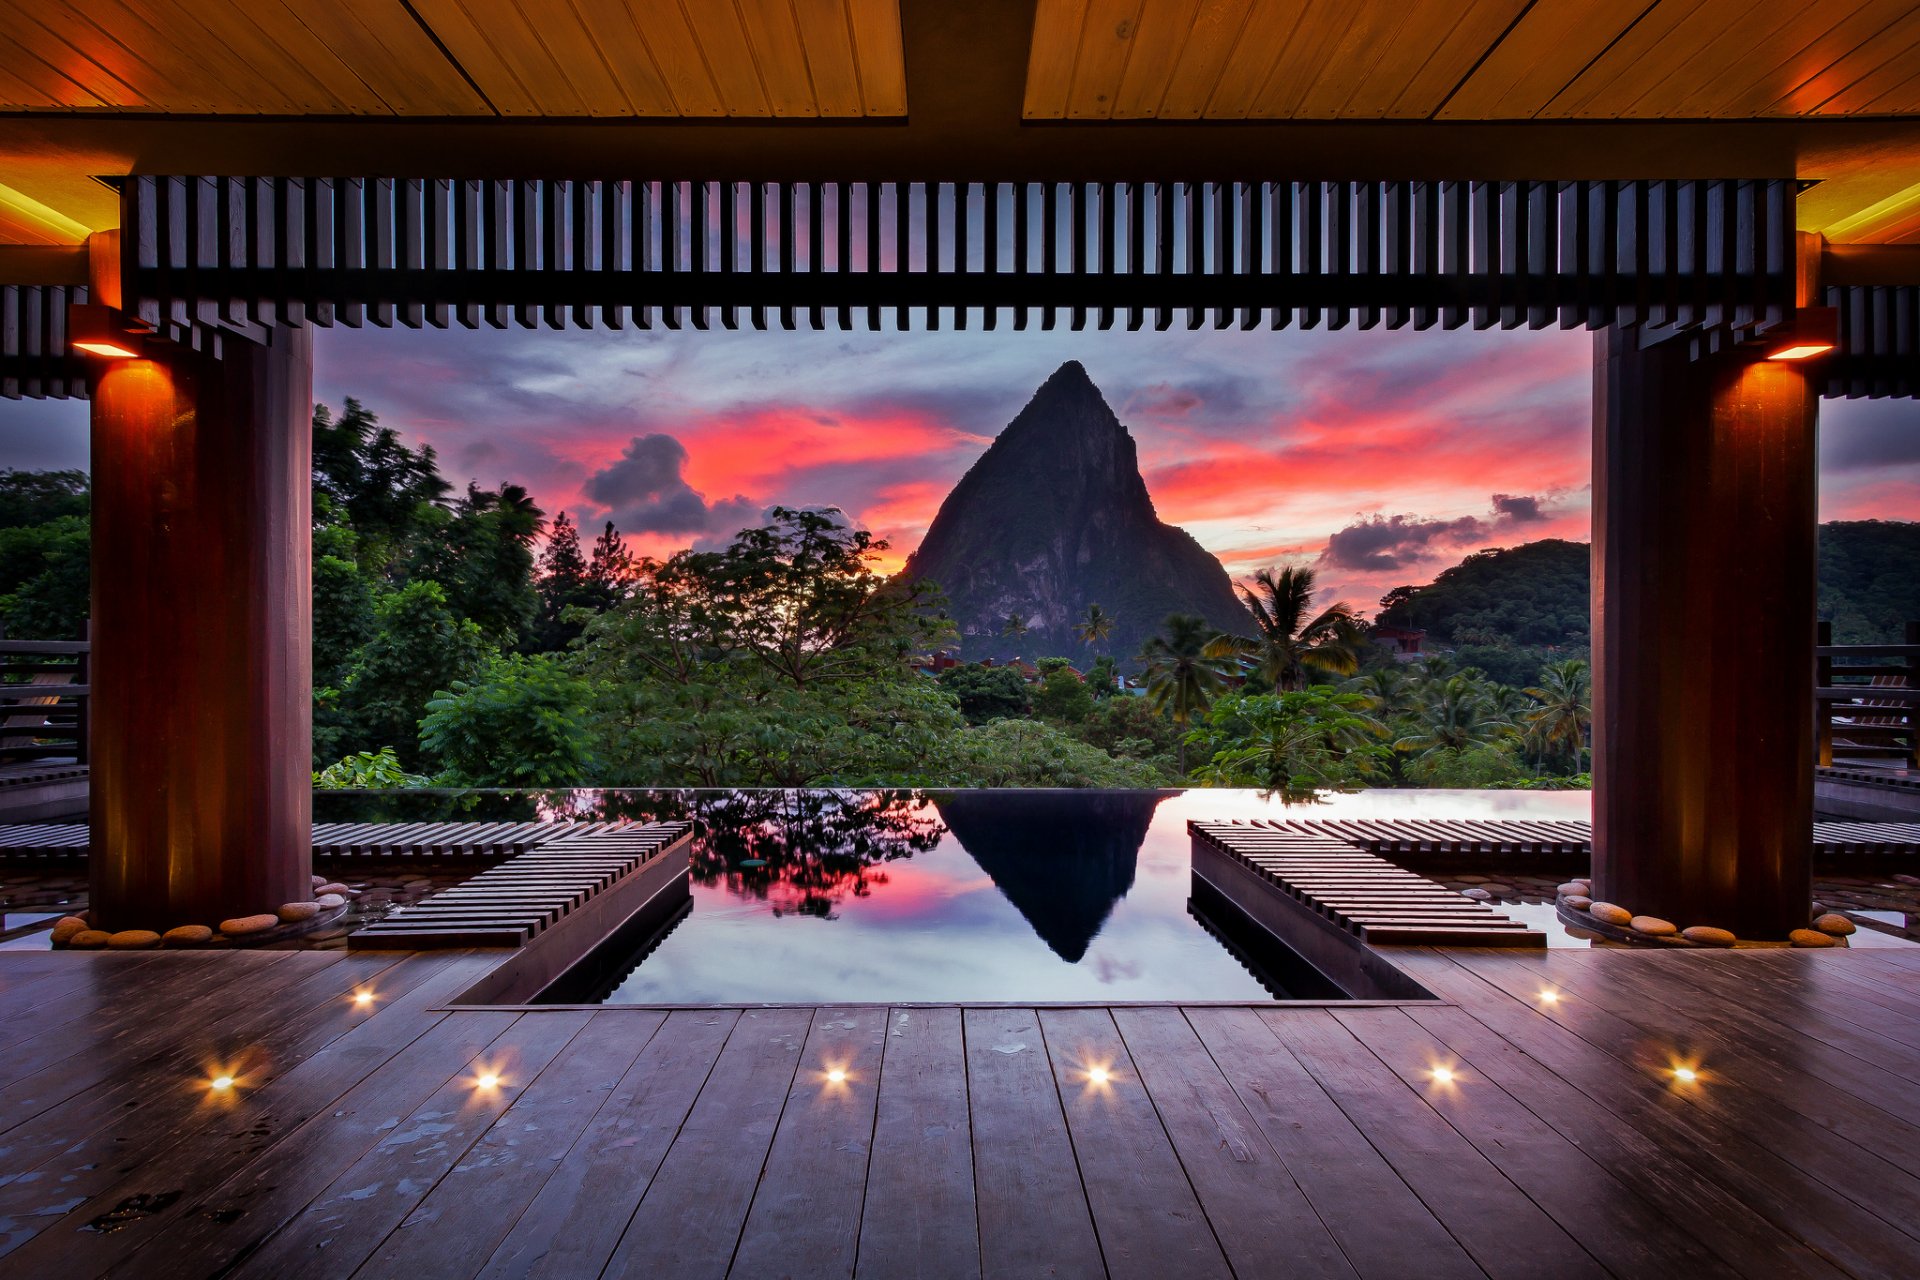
{"x":1282,"y":1141}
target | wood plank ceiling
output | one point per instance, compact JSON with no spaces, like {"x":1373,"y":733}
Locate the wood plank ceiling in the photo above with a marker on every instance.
{"x":516,"y":58}
{"x":1472,"y":59}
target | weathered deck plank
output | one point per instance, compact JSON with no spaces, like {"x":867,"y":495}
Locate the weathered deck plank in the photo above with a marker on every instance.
{"x":1033,"y":1208}
{"x":1268,"y":1140}
{"x":575,"y":1221}
{"x":1259,"y":1213}
{"x":919,"y":1219}
{"x":457,"y":1225}
{"x":805,"y":1219}
{"x":689,"y":1221}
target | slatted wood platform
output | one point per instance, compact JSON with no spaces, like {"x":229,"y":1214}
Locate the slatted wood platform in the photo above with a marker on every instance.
{"x":511,"y":904}
{"x":1493,"y":837}
{"x":345,"y":839}
{"x":971,"y":1142}
{"x":1386,"y":836}
{"x":1359,"y":891}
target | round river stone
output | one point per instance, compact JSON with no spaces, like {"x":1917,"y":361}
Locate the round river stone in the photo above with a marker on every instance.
{"x":133,"y":940}
{"x":294,"y":912}
{"x":1576,"y":902}
{"x":1835,"y":923}
{"x":1708,"y":936}
{"x":67,"y":928}
{"x":187,"y":935}
{"x":88,"y":939}
{"x":240,"y":926}
{"x":1609,"y":913}
{"x":1652,"y":926}
{"x":1810,"y":938}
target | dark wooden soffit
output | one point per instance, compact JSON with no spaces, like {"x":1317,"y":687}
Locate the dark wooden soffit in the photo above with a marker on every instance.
{"x":965,"y":69}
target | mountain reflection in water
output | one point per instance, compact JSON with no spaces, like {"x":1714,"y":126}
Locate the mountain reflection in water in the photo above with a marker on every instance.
{"x":1062,"y":858}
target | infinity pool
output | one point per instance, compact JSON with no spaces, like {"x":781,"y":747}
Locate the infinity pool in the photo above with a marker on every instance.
{"x":972,"y":896}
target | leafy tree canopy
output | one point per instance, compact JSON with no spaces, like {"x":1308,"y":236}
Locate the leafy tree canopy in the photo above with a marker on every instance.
{"x":35,"y":497}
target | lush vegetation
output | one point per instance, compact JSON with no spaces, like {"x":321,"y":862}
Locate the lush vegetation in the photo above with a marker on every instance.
{"x":462,"y":638}
{"x":1513,"y":611}
{"x":1870,"y":579}
{"x":1508,"y":611}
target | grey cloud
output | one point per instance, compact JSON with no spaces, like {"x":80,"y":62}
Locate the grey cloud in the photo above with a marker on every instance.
{"x":1393,"y":542}
{"x":1517,"y":508}
{"x":645,"y":491}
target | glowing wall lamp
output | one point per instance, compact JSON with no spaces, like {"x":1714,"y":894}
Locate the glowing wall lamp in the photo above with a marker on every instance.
{"x":1815,"y":331}
{"x":102,"y":331}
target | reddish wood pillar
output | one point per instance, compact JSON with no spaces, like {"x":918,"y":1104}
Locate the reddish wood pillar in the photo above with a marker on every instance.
{"x":1704,"y":518}
{"x":202,"y":666}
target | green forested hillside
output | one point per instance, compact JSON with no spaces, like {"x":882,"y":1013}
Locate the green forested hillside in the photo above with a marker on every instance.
{"x":1509,"y":610}
{"x":1506,"y":610}
{"x":1870,"y":579}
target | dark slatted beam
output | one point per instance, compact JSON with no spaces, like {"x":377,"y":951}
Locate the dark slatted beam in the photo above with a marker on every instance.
{"x":204,"y":256}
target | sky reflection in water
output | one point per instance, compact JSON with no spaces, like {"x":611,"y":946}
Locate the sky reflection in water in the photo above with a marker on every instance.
{"x":818,"y":897}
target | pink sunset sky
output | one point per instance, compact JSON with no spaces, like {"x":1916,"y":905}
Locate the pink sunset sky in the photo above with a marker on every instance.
{"x":1381,"y":458}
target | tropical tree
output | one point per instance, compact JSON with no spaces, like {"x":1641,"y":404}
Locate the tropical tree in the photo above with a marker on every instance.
{"x":1557,"y":723}
{"x":1185,"y":668}
{"x":1459,"y":715}
{"x":1290,"y":640}
{"x":1015,"y":626}
{"x":1388,"y":691}
{"x":1095,"y":625}
{"x":1291,"y":741}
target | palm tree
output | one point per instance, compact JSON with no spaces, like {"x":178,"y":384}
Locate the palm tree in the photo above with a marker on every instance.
{"x":1459,"y":715}
{"x":1183,"y":672}
{"x":1291,"y":640}
{"x":1388,"y":692}
{"x":1561,"y":713}
{"x":1095,"y":625}
{"x":1016,"y":626}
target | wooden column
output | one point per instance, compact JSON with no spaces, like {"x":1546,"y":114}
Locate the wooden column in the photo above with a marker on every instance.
{"x":1704,"y":515}
{"x":202,"y":666}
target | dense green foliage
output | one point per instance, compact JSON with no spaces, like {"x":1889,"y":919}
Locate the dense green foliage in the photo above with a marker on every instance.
{"x":1506,"y":610}
{"x":987,"y":693}
{"x":1870,"y":579}
{"x":43,"y":554}
{"x":518,"y":724}
{"x":1512,"y":612}
{"x":445,"y":650}
{"x":366,"y":771}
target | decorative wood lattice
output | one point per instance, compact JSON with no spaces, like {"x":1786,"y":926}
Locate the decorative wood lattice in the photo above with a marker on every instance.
{"x":1879,"y":352}
{"x":557,"y":253}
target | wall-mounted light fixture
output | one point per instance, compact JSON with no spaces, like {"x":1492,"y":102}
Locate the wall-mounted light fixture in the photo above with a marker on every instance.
{"x":1815,"y":331}
{"x":101,"y":331}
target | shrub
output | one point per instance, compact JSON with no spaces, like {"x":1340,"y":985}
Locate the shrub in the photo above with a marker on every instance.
{"x":521,"y":724}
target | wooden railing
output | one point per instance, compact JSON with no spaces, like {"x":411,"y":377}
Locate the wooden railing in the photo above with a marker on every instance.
{"x":1864,"y":697}
{"x":43,"y":700}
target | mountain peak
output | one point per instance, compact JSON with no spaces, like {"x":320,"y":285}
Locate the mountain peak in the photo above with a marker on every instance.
{"x":1055,"y":516}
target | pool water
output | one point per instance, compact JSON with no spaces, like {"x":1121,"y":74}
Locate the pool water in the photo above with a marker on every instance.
{"x":976,"y":896}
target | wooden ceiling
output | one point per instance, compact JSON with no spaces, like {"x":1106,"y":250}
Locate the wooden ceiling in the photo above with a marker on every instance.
{"x":579,"y":58}
{"x":1472,"y":59}
{"x":1002,"y":90}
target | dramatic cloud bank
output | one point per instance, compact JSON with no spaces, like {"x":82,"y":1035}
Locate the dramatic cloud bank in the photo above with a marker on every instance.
{"x":643,"y":491}
{"x":1378,"y":457}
